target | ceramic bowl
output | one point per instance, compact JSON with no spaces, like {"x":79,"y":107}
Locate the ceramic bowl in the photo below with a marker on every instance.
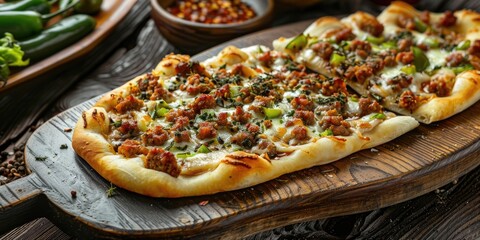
{"x":193,"y":37}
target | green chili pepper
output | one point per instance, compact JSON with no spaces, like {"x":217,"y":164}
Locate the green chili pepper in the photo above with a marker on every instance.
{"x":88,"y":6}
{"x":420,"y":60}
{"x":409,"y":69}
{"x":272,"y":112}
{"x":203,"y":149}
{"x":336,"y":59}
{"x":297,"y":43}
{"x":464,"y":45}
{"x":327,"y":132}
{"x":60,"y":35}
{"x":40,"y":6}
{"x":24,"y":24}
{"x":63,"y":4}
{"x":20,"y":24}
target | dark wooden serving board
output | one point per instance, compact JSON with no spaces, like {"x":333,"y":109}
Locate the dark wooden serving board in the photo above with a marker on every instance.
{"x":411,"y":165}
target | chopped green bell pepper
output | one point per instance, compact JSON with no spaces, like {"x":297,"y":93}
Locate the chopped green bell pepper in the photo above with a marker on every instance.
{"x":185,"y":155}
{"x":297,"y":43}
{"x":462,"y":68}
{"x":375,"y":40}
{"x":203,"y":149}
{"x":336,"y":59}
{"x":234,"y":91}
{"x":378,"y":116}
{"x":161,"y":112}
{"x":272,"y":112}
{"x":420,"y":25}
{"x":327,"y":132}
{"x":464,"y":45}
{"x":409,"y":69}
{"x":420,"y":60}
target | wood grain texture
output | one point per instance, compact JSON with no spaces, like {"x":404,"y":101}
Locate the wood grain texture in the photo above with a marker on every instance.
{"x":113,"y":11}
{"x":412,"y":165}
{"x":25,"y":103}
{"x":443,"y":215}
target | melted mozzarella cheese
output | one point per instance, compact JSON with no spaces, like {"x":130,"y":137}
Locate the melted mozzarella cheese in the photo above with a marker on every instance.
{"x":418,"y":79}
{"x":388,"y":73}
{"x":436,"y":58}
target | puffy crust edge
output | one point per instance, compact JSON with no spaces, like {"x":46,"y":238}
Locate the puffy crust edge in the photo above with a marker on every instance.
{"x":465,"y":93}
{"x":235,"y":171}
{"x":397,"y":8}
{"x":329,"y":149}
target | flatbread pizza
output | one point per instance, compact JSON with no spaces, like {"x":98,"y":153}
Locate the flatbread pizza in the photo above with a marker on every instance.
{"x":420,"y":64}
{"x":241,"y":118}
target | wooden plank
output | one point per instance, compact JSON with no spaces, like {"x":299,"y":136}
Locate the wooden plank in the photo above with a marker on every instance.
{"x":35,"y":96}
{"x":416,"y":163}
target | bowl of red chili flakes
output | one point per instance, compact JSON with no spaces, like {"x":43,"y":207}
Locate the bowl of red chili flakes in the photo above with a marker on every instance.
{"x":195,"y":25}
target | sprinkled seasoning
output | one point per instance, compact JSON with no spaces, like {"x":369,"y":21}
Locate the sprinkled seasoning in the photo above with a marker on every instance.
{"x":212,"y":11}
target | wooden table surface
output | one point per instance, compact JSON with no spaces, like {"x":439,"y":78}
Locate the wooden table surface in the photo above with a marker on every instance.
{"x":135,"y":47}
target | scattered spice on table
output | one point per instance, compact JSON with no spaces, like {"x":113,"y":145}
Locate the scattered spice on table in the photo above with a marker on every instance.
{"x":40,"y":158}
{"x":12,"y":166}
{"x":212,"y":11}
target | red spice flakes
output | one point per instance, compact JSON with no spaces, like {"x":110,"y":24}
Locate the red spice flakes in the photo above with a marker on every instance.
{"x":203,"y":203}
{"x":212,"y":11}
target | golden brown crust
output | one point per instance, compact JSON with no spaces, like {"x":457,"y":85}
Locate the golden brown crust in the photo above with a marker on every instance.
{"x":468,"y":23}
{"x":466,"y":92}
{"x":224,"y":171}
{"x":234,"y":170}
{"x":395,"y":10}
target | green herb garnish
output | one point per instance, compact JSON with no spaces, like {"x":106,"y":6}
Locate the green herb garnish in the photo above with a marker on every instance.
{"x":10,"y":56}
{"x":111,"y":190}
{"x":41,"y":158}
